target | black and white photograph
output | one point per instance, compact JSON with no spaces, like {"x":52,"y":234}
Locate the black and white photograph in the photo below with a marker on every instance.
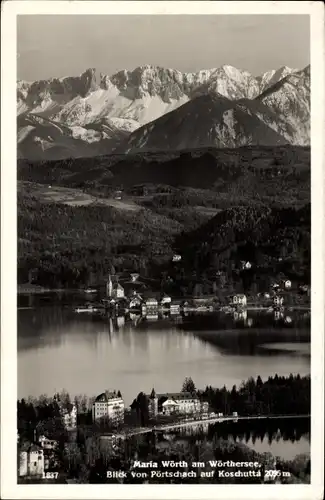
{"x":163,"y":277}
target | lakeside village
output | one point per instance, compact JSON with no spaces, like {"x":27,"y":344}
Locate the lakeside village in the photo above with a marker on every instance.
{"x":39,"y":457}
{"x":129,"y":293}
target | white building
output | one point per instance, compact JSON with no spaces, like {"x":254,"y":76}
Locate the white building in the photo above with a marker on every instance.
{"x":204,"y":407}
{"x":135,"y":301}
{"x":149,"y":306}
{"x":246,"y":264}
{"x":69,"y":416}
{"x":287,"y":284}
{"x":177,"y":258}
{"x":170,"y":406}
{"x":47,"y":444}
{"x":277,"y":301}
{"x":239,"y":300}
{"x":152,"y":302}
{"x":118,"y":291}
{"x":68,"y":413}
{"x":180,"y":403}
{"x":175,"y":307}
{"x":114,"y":290}
{"x":31,"y":461}
{"x":108,"y":405}
{"x":165,"y":300}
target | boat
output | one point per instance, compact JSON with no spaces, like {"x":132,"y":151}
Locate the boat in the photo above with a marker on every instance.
{"x":88,"y":309}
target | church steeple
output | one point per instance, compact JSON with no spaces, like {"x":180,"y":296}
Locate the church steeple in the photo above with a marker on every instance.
{"x":109,"y":287}
{"x":153,"y":394}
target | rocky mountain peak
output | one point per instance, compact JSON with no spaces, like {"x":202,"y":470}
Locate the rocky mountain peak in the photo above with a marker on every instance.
{"x":95,"y":106}
{"x":89,"y":81}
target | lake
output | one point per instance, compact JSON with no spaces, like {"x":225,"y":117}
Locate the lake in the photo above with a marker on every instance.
{"x":280,"y":437}
{"x":58,"y":348}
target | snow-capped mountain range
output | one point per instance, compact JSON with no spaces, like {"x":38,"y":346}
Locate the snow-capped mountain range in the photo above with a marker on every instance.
{"x":97,"y":114}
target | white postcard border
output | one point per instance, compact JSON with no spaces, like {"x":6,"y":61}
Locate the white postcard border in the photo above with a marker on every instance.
{"x":9,"y":487}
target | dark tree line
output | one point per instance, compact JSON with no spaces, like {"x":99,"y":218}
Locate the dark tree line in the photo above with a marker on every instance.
{"x":275,"y":396}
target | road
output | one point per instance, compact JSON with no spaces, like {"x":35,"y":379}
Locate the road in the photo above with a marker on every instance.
{"x":178,"y":425}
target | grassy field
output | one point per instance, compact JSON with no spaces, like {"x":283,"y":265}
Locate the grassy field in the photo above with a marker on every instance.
{"x":72,"y":196}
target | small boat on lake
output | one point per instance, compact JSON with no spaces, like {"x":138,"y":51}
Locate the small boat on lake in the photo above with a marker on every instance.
{"x":86,"y":309}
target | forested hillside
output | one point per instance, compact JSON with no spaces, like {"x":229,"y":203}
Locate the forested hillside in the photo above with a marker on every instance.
{"x":215,"y":208}
{"x":68,"y":246}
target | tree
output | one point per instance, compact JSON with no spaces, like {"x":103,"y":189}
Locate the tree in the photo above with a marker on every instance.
{"x":141,"y":406}
{"x":188,"y":385}
{"x":64,"y":397}
{"x":72,"y":456}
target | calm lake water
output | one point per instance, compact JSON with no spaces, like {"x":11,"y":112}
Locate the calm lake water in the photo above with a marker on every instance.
{"x":58,"y":348}
{"x":280,"y":437}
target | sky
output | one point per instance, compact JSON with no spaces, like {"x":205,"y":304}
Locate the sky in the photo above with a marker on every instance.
{"x":66,"y":45}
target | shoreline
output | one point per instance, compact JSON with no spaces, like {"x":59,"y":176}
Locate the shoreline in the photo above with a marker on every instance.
{"x":37,"y":290}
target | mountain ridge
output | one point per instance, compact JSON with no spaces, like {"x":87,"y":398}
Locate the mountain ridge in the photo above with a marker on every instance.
{"x":203,"y":121}
{"x":129,"y":100}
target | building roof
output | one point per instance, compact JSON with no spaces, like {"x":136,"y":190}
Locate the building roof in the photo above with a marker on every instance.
{"x":242,"y":295}
{"x":113,"y":278}
{"x":149,"y":294}
{"x":170,"y":401}
{"x":29,"y":447}
{"x":178,"y":396}
{"x":41,"y":438}
{"x":135,"y":295}
{"x":106,"y":396}
{"x":25,"y":446}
